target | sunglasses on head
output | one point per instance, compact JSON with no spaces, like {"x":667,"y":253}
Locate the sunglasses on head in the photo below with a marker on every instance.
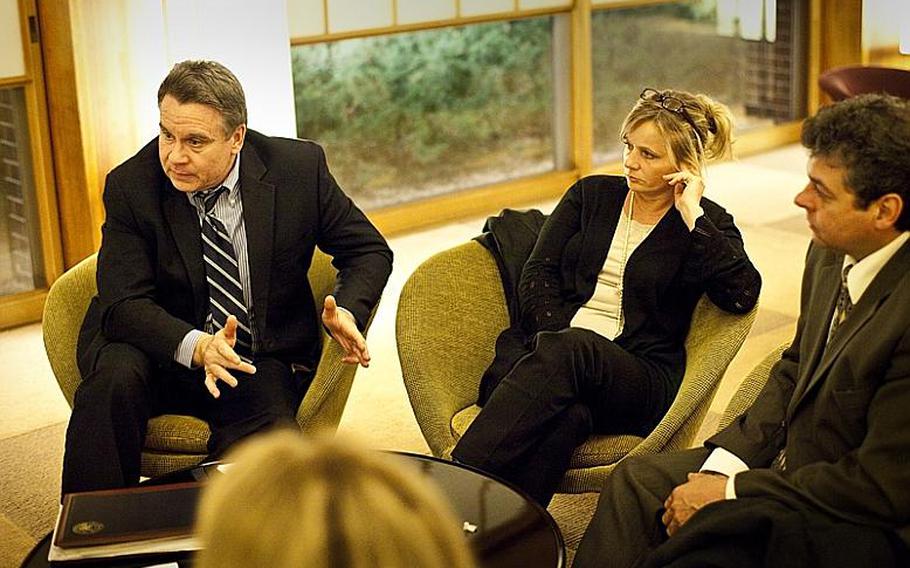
{"x":674,"y":105}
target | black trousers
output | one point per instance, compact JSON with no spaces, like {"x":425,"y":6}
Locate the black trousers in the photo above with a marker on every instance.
{"x":123,"y":389}
{"x":626,"y":529}
{"x":572,"y":383}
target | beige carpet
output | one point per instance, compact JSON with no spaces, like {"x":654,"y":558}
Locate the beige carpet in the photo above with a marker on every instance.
{"x":30,"y":467}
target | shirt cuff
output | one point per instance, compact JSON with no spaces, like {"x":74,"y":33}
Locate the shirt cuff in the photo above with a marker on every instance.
{"x":184,"y":353}
{"x":730,"y":488}
{"x":725,"y":462}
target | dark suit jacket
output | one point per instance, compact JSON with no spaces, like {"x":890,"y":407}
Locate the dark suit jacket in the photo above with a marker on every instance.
{"x":151,"y":278}
{"x":843,"y":412}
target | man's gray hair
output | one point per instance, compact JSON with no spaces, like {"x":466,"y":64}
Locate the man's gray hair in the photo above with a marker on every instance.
{"x":208,"y":83}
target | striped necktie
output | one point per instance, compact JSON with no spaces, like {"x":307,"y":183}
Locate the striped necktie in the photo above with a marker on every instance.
{"x":844,"y":304}
{"x":223,"y":275}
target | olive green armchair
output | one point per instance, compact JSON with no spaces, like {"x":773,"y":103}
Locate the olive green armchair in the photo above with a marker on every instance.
{"x":450,"y":312}
{"x":748,"y":390}
{"x":175,"y":442}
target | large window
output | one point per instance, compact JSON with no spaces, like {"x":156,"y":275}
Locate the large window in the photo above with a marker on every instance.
{"x":417,"y":114}
{"x":419,"y":99}
{"x":748,"y":57}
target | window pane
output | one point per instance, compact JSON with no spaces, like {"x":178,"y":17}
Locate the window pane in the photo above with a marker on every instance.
{"x":687,"y":46}
{"x":20,"y":250}
{"x":411,"y":115}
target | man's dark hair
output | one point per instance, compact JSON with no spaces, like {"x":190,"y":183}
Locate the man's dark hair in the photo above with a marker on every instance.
{"x":869,"y":136}
{"x":208,"y":83}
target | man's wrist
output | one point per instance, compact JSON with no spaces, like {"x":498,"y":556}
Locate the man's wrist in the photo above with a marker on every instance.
{"x":187,"y":347}
{"x":202,"y":344}
{"x":344,"y":310}
{"x":730,"y":487}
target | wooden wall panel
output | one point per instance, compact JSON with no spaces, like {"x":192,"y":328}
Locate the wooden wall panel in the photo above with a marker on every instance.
{"x":76,"y":177}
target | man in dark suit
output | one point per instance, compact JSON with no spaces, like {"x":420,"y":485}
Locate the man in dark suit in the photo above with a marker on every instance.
{"x":816,"y":472}
{"x":202,"y":281}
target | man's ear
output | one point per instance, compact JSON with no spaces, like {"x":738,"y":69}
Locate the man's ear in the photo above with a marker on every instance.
{"x":237,"y":138}
{"x":889,"y":211}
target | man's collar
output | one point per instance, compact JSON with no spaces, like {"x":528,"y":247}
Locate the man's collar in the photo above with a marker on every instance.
{"x":232,"y":181}
{"x":864,"y":271}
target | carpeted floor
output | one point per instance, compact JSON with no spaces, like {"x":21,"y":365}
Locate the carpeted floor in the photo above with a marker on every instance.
{"x":30,"y":487}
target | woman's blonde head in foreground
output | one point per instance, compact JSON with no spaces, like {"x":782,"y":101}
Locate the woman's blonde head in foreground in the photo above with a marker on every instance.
{"x":705,"y":137}
{"x":293,"y":501}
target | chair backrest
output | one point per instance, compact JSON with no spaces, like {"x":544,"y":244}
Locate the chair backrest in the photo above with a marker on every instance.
{"x":450,"y":311}
{"x":65,"y":307}
{"x":842,"y":83}
{"x":750,"y":387}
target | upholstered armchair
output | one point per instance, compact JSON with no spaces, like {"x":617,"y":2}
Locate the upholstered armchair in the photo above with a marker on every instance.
{"x":450,"y":312}
{"x":174,"y":442}
{"x":748,"y":390}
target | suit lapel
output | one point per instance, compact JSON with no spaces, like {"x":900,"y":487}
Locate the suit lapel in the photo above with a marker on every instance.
{"x":183,"y":222}
{"x":258,"y":200}
{"x":823,"y":301}
{"x":870,"y":302}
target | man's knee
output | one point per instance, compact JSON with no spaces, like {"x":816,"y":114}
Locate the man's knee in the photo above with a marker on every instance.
{"x":121,"y":375}
{"x":630,"y":470}
{"x":659,"y":472}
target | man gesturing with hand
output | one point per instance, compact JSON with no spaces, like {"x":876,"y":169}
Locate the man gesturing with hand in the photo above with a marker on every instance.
{"x":216,"y":355}
{"x":204,"y":307}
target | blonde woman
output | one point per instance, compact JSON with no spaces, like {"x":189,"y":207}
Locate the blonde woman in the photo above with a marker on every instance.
{"x":607,"y":296}
{"x":289,"y":502}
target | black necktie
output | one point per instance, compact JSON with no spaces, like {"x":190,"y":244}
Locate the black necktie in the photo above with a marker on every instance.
{"x":223,"y":275}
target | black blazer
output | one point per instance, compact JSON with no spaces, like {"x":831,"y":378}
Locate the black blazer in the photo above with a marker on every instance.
{"x":842,"y":411}
{"x":663,"y":280}
{"x":151,"y":277}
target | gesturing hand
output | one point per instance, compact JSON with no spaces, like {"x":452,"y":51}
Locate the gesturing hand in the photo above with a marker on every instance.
{"x":688,"y":187}
{"x":344,"y":330}
{"x":216,"y":355}
{"x":686,"y":499}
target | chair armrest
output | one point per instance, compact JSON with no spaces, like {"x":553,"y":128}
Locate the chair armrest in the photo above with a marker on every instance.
{"x":714,"y":339}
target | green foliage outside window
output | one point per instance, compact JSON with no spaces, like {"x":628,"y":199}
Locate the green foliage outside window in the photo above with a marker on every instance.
{"x":409,"y":115}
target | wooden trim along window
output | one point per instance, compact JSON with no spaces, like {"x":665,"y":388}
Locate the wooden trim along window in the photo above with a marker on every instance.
{"x":30,"y":256}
